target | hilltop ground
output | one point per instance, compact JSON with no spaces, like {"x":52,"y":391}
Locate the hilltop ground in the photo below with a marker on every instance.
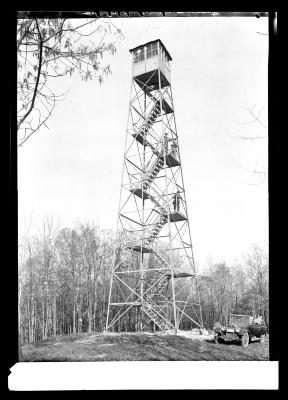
{"x":140,"y":347}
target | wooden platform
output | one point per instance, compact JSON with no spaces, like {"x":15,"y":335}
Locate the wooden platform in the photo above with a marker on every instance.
{"x":153,"y":83}
{"x":180,"y":275}
{"x":138,"y":248}
{"x":171,"y":161}
{"x":177,"y":216}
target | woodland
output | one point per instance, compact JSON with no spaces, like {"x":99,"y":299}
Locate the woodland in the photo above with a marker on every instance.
{"x":64,"y":280}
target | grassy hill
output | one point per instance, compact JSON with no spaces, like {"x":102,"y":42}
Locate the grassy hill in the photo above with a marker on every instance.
{"x":139,"y":347}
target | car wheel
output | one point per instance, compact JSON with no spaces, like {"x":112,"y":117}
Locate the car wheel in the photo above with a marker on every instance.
{"x":262,"y":338}
{"x":245,"y":340}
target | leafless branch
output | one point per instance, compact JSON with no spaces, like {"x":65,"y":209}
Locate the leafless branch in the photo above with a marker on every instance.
{"x":256,"y":117}
{"x":261,"y":174}
{"x":37,"y":80}
{"x":38,"y":127}
{"x":249,"y":137}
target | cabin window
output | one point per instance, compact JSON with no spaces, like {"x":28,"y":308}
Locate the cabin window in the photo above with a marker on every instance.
{"x":167,"y":61}
{"x":135,"y":56}
{"x":138,"y":55}
{"x":141,"y":54}
{"x":149,"y":51}
{"x":154,"y":49}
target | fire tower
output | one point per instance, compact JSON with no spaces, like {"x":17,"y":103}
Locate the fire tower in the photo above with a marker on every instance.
{"x":153,"y":282}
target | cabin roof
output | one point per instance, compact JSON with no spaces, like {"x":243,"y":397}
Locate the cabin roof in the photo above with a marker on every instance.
{"x":153,"y":41}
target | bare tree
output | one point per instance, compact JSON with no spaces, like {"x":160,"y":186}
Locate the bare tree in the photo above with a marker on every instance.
{"x":257,"y":268}
{"x":259,"y":172}
{"x":53,"y":48}
{"x":216,"y":287}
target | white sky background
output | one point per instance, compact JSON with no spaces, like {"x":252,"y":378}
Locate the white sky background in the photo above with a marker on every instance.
{"x":73,"y":169}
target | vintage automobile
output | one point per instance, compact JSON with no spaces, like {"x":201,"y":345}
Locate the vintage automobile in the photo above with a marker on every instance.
{"x":243,"y":328}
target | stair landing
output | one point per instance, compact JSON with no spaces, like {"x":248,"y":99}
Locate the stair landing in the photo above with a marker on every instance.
{"x":138,"y":248}
{"x":177,"y":216}
{"x":180,"y":275}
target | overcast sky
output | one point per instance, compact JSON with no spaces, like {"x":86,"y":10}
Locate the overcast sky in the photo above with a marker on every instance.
{"x":219,"y":69}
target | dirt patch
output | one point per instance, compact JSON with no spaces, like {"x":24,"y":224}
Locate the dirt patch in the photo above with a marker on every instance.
{"x":141,"y":347}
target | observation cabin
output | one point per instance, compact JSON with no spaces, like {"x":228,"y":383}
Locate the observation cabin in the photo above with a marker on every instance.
{"x":147,"y":60}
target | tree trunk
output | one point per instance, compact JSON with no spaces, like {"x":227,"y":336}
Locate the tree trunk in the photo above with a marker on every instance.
{"x":94,"y":314}
{"x":80,"y":316}
{"x":89,"y":307}
{"x":20,"y":354}
{"x":63,"y":322}
{"x":46,"y":330}
{"x":54,"y":315}
{"x":29,"y":321}
{"x":74,"y":316}
{"x":79,"y":324}
{"x":43,"y":319}
{"x":33,"y":323}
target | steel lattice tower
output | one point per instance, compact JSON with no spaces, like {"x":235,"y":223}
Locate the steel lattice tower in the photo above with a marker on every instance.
{"x":153,"y":281}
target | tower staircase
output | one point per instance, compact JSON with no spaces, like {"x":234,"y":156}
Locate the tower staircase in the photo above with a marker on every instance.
{"x":155,"y":229}
{"x":156,"y":317}
{"x":153,"y":172}
{"x":146,"y":125}
{"x":155,"y":291}
{"x":151,"y":118}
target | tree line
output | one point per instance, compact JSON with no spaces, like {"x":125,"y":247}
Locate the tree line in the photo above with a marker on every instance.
{"x":238,"y":289}
{"x":64,"y":280}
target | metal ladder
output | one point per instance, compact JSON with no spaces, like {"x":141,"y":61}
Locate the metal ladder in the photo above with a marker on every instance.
{"x":157,"y":291}
{"x":153,"y":172}
{"x":156,"y":228}
{"x":151,"y":118}
{"x":155,"y":317}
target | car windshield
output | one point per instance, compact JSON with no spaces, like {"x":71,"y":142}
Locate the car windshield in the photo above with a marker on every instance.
{"x":240,"y":320}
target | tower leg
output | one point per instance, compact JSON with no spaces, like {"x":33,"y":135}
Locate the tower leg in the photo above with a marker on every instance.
{"x":174,"y":303}
{"x":109,"y":298}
